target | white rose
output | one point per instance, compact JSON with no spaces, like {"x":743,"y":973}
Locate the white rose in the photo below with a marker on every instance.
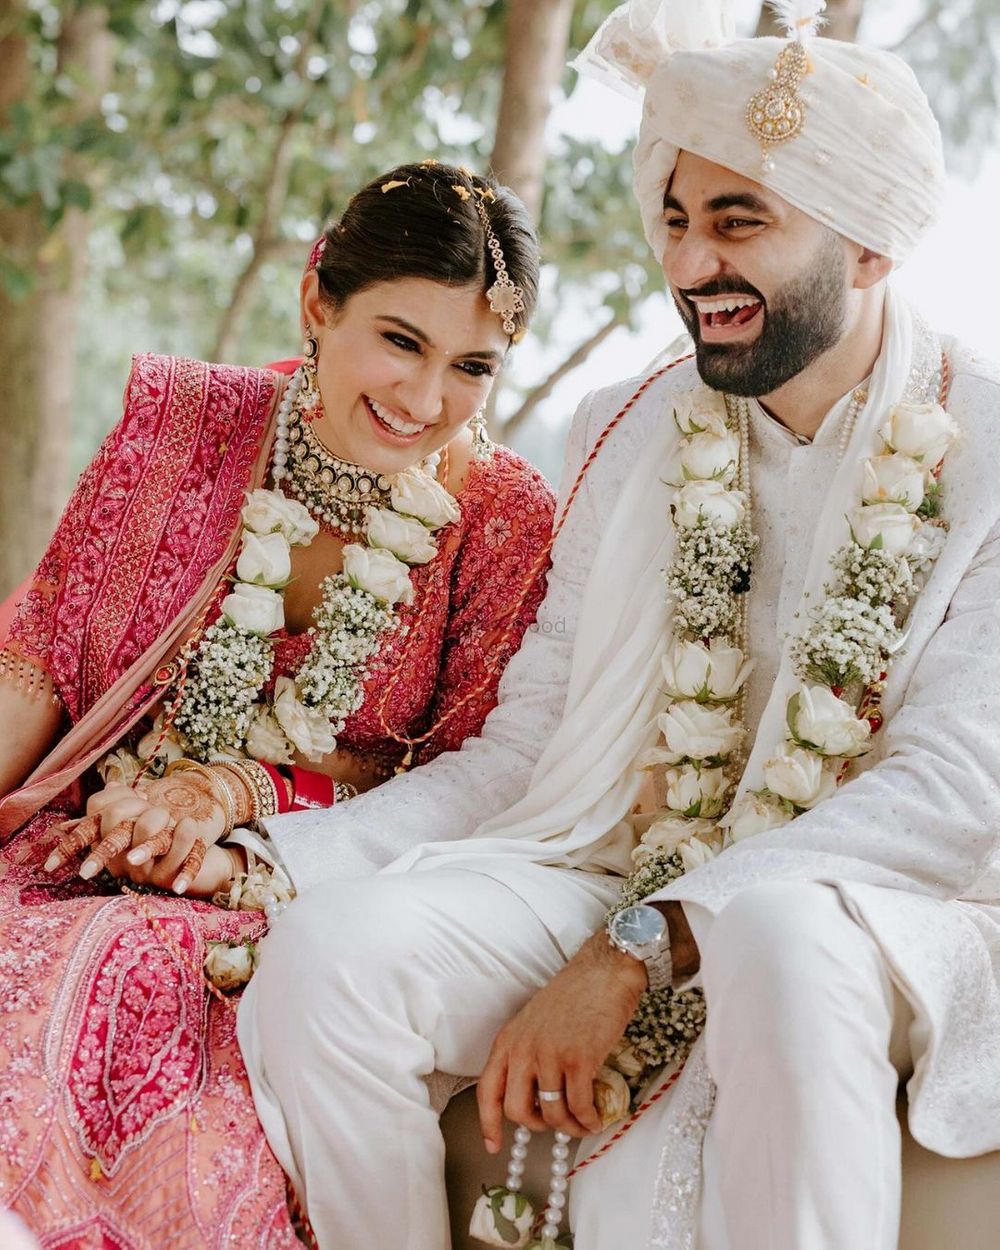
{"x":417,"y":494}
{"x":378,"y":572}
{"x":923,"y":431}
{"x":254,"y":609}
{"x":170,"y":749}
{"x":696,"y":793}
{"x":694,"y":671}
{"x":694,"y":853}
{"x":307,"y":727}
{"x":927,"y":545}
{"x":802,"y":777}
{"x":653,"y":758}
{"x":625,"y":1060}
{"x":266,"y":739}
{"x":119,"y":768}
{"x":885,"y":525}
{"x":267,"y":511}
{"x":710,"y":500}
{"x":821,"y":721}
{"x":894,"y":479}
{"x":515,"y":1210}
{"x":405,"y":537}
{"x":612,"y":1096}
{"x":229,"y":965}
{"x":665,"y":835}
{"x":693,"y":731}
{"x":705,"y":457}
{"x":700,"y":411}
{"x":755,"y":814}
{"x":265,"y":559}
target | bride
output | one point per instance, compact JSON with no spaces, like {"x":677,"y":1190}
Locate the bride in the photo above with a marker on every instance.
{"x":267,"y":593}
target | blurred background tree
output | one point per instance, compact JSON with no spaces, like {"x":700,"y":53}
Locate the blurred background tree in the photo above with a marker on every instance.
{"x":165,"y":164}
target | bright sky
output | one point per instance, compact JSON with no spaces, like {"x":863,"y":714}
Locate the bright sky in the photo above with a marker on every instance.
{"x":944,"y":277}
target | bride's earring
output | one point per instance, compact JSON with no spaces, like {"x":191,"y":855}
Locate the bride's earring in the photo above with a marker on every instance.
{"x":307,"y":398}
{"x":482,"y":447}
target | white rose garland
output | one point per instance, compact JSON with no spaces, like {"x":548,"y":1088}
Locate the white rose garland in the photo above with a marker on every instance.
{"x":841,"y":659}
{"x":220,"y":706}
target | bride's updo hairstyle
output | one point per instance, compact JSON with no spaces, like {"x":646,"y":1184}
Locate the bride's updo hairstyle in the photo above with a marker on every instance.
{"x":422,"y":221}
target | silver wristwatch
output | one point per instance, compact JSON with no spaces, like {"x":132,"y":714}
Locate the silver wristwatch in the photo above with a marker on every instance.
{"x":642,"y":933}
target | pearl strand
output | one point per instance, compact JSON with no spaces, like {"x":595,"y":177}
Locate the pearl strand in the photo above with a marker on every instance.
{"x":558,"y":1177}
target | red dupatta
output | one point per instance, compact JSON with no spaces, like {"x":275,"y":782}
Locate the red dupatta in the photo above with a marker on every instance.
{"x":149,"y":531}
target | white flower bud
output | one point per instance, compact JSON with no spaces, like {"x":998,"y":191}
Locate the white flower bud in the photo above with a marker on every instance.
{"x":694,"y":731}
{"x":894,"y":479}
{"x":716,"y":672}
{"x":514,"y":1210}
{"x":612,"y":1096}
{"x":821,"y":722}
{"x":694,"y":853}
{"x":378,"y":572}
{"x":254,"y":609}
{"x":229,"y":965}
{"x":700,"y":410}
{"x":696,"y":793}
{"x":756,"y":813}
{"x":884,"y":525}
{"x":922,"y":431}
{"x":307,"y":728}
{"x":710,"y":500}
{"x":416,"y":494}
{"x":705,"y":457}
{"x":267,"y":511}
{"x":802,"y":777}
{"x":266,"y":739}
{"x":407,"y":538}
{"x":265,"y":559}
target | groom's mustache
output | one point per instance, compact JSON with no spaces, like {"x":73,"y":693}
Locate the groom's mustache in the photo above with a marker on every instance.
{"x":723,"y":286}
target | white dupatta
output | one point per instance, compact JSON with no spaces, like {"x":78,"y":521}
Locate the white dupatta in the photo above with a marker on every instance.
{"x":586,"y":781}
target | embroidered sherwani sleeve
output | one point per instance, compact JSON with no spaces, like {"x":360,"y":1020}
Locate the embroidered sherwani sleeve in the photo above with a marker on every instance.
{"x":450,"y":796}
{"x":926,"y":817}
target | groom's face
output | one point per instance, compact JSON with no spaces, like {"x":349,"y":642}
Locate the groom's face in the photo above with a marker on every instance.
{"x":761,"y":286}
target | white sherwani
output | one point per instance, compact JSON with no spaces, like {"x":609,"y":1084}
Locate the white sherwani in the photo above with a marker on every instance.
{"x":911,"y":843}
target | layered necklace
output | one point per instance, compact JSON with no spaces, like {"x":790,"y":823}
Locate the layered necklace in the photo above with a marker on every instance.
{"x":222,"y":700}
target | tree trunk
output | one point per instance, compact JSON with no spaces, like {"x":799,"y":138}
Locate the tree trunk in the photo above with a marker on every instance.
{"x":39,"y":331}
{"x":537,"y":39}
{"x":842,"y":20}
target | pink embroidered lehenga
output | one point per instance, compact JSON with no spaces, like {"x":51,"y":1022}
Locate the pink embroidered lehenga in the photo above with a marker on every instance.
{"x":126,"y":1121}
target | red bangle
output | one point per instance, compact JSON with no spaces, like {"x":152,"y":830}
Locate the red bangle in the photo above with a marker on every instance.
{"x":280,"y":788}
{"x":310,"y":789}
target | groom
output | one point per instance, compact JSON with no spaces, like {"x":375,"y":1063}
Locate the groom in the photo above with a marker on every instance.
{"x":825,"y":865}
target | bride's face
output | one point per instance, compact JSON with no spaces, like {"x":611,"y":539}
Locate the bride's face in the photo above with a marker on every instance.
{"x":402,"y":367}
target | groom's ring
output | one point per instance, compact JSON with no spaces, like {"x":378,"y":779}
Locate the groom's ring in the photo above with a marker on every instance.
{"x":550,"y":1095}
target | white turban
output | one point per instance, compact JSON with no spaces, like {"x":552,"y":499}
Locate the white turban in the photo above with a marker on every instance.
{"x":867,"y":161}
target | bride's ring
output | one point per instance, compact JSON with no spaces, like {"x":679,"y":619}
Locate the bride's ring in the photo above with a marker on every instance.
{"x":550,"y":1095}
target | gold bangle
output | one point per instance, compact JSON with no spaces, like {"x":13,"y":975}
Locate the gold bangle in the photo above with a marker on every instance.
{"x":222,"y":793}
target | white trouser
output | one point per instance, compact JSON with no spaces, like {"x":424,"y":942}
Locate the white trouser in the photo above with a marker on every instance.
{"x":806,"y":1039}
{"x":364,"y":988}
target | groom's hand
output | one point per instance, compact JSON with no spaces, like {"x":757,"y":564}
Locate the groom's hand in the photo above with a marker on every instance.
{"x":557,"y":1041}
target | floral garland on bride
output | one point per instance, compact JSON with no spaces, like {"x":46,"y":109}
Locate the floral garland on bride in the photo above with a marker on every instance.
{"x":841,"y":660}
{"x":220,"y":706}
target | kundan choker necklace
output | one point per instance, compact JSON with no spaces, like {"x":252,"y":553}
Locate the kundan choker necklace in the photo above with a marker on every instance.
{"x":336,"y":492}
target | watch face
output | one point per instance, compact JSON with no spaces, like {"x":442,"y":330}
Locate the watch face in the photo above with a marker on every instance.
{"x":639,"y":925}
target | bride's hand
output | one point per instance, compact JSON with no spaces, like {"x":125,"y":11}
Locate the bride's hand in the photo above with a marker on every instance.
{"x":155,"y":835}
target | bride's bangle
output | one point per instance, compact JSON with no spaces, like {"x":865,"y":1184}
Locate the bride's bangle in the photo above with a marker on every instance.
{"x":223,"y":794}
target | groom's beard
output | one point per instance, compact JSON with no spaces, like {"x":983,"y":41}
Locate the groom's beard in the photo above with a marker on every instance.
{"x":804,"y":319}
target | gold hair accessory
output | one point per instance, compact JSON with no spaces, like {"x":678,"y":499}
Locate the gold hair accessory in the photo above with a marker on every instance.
{"x":394,"y":183}
{"x":506,"y":297}
{"x":462,"y":192}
